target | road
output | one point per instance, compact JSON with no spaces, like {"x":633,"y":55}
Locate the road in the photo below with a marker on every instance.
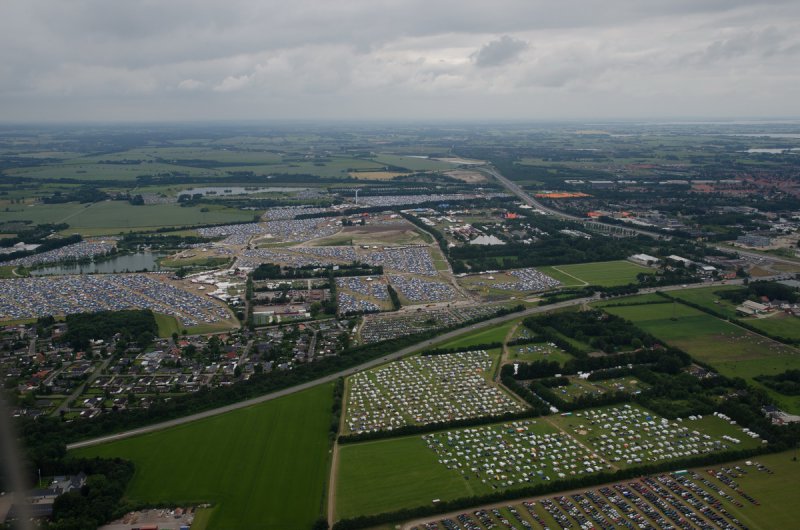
{"x":64,"y":406}
{"x":364,"y":366}
{"x":517,"y":190}
{"x":758,"y":256}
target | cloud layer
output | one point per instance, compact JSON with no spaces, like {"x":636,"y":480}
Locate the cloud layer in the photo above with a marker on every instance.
{"x":402,"y":59}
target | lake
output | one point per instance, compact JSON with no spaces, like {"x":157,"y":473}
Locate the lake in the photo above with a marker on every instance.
{"x":238,"y":190}
{"x":128,"y":262}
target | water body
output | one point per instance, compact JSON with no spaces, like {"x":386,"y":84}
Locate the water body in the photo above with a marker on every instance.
{"x":238,"y":190}
{"x":773,"y":150}
{"x":127,"y":263}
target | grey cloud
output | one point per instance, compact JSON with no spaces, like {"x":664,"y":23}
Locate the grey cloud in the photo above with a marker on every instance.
{"x":498,"y":52}
{"x":356,"y":58}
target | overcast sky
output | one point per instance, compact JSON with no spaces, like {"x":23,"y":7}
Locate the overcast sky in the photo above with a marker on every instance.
{"x":168,"y":60}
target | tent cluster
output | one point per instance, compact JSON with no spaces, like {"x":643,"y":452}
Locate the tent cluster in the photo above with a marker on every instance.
{"x":513,"y":453}
{"x":425,"y":389}
{"x":631,"y":435}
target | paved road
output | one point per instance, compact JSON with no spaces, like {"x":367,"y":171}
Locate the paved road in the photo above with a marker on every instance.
{"x":756,"y":255}
{"x":364,"y":366}
{"x":517,"y":190}
{"x":64,"y":406}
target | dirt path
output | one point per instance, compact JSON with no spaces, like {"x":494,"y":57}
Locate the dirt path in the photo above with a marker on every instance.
{"x":505,"y":353}
{"x":335,"y":460}
{"x":570,"y":275}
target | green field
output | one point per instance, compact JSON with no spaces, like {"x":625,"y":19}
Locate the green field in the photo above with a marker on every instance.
{"x":120,"y":216}
{"x":779,"y":324}
{"x":391,"y":474}
{"x":261,"y":467}
{"x":484,"y":336}
{"x":732,"y":350}
{"x":606,"y":273}
{"x":776,"y":493}
{"x":167,"y":325}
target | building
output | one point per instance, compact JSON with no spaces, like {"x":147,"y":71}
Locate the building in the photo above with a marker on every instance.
{"x":678,"y":259}
{"x":754,"y":240}
{"x":644,"y":259}
{"x":750,"y":308}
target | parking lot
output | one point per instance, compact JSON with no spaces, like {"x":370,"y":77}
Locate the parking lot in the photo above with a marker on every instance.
{"x":693,"y":499}
{"x":59,"y":295}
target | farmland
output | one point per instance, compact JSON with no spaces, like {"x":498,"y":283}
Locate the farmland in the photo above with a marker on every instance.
{"x":113,"y":217}
{"x":732,"y":350}
{"x":777,"y":323}
{"x":260,"y":467}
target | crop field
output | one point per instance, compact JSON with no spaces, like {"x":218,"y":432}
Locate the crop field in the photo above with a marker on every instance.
{"x":120,"y":216}
{"x":756,"y":492}
{"x":606,"y":273}
{"x":413,"y":471}
{"x":261,"y":467}
{"x":425,"y":389}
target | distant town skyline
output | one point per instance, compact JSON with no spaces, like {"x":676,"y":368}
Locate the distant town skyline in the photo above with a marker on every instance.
{"x":200,"y":60}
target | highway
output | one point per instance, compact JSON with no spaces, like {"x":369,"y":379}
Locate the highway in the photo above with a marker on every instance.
{"x":364,"y":366}
{"x":517,"y":190}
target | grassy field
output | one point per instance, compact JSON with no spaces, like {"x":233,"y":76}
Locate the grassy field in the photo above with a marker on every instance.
{"x":119,"y":216}
{"x":732,"y":350}
{"x":7,"y":272}
{"x":493,"y":334}
{"x":579,"y":387}
{"x":777,"y":493}
{"x":262,"y":467}
{"x":778,"y":323}
{"x":392,"y":474}
{"x":167,"y":325}
{"x":606,"y":273}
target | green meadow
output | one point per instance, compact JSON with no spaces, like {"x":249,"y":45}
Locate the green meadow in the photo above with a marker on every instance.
{"x":262,"y":467}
